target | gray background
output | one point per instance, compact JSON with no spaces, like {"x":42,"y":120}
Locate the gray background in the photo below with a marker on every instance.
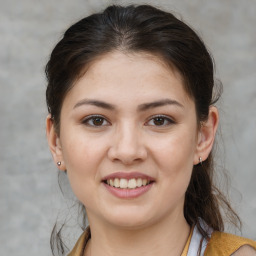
{"x":29,"y":195}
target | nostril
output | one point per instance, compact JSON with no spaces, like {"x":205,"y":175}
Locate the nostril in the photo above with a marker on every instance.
{"x":128,"y":149}
{"x":126,"y":157}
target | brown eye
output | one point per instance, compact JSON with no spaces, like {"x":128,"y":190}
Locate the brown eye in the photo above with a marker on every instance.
{"x":160,"y":121}
{"x":95,"y":121}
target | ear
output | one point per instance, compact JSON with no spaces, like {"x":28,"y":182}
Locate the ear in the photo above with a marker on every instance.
{"x":206,"y":135}
{"x":54,"y":143}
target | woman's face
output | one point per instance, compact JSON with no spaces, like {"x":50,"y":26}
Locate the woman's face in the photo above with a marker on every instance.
{"x":128,"y":122}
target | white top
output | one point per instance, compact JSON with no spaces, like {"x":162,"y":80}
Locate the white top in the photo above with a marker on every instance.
{"x":196,"y":239}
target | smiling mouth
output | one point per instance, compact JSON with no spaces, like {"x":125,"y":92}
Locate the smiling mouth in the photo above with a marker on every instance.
{"x":127,"y":183}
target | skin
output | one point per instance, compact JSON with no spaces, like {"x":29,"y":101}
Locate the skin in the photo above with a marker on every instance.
{"x":131,"y":139}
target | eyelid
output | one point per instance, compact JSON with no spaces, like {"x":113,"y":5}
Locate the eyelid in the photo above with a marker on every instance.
{"x":86,"y":119}
{"x":168,"y":118}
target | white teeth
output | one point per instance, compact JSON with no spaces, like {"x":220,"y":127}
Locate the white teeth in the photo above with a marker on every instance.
{"x":139,"y":182}
{"x":144,"y":182}
{"x":132,"y":183}
{"x":116,"y":183}
{"x":124,"y":183}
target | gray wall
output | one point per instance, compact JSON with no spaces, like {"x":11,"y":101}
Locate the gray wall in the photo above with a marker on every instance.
{"x":29,"y":196}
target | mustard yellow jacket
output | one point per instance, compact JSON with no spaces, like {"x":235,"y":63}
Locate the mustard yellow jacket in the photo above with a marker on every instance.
{"x":220,"y":244}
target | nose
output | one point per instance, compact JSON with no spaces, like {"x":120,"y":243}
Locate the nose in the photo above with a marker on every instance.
{"x":127,"y":146}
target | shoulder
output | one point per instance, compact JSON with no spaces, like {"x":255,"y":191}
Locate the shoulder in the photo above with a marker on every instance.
{"x":245,"y":250}
{"x":227,"y":244}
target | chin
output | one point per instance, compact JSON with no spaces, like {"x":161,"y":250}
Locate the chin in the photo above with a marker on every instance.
{"x":130,"y":224}
{"x":129,"y":219}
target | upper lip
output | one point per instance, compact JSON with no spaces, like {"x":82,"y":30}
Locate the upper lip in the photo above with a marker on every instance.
{"x":127,"y":175}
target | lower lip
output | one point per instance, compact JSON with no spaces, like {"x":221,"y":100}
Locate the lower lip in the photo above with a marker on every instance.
{"x":128,"y":193}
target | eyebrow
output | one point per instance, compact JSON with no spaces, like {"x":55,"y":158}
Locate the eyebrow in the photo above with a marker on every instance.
{"x":142,"y":107}
{"x":159,"y":103}
{"x":97,"y":103}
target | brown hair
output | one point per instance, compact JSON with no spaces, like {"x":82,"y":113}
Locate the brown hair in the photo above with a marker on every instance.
{"x":145,"y":29}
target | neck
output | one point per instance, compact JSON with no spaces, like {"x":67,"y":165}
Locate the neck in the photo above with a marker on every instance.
{"x":166,"y":238}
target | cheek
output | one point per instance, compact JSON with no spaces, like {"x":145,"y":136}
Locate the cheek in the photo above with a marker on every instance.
{"x":175,"y":161}
{"x":81,"y":164}
{"x":176,"y":150}
{"x":80,"y":151}
{"x":176,"y":164}
{"x":83,"y":156}
{"x":78,"y":157}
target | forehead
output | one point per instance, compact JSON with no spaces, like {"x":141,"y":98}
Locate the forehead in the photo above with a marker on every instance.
{"x":139,"y":63}
{"x":126,"y":76}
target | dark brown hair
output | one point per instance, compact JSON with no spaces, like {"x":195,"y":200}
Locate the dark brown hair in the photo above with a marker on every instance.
{"x":145,"y":29}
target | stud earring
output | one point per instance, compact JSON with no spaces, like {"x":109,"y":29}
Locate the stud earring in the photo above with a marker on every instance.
{"x":200,"y":160}
{"x":59,"y":163}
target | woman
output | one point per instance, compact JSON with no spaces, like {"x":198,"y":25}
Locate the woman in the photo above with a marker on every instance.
{"x":132,"y":121}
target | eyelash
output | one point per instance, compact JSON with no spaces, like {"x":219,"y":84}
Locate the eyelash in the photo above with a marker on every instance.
{"x":92,"y":118}
{"x":165,"y":119}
